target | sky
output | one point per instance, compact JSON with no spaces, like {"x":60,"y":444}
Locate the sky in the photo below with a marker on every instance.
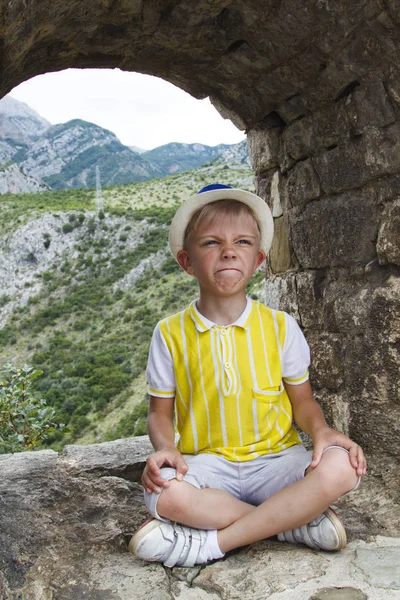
{"x":142,"y":110}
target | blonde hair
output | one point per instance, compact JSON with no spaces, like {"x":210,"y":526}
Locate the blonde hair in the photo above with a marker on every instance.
{"x":209,"y":211}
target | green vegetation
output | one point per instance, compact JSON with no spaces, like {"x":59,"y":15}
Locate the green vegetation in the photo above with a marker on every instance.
{"x":25,"y":421}
{"x":18,"y":209}
{"x":89,"y":326}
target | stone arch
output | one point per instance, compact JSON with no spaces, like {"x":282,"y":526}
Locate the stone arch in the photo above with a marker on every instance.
{"x":316,"y":85}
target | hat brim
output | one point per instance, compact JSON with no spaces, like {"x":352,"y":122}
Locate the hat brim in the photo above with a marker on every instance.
{"x":183,"y":214}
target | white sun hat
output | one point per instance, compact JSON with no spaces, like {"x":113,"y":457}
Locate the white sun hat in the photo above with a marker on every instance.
{"x":211,"y":193}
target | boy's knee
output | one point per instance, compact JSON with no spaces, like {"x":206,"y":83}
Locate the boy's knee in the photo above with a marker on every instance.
{"x":337,"y":472}
{"x":173,"y":500}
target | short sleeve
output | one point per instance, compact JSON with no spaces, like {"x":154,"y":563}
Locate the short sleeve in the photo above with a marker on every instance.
{"x":296,"y":354}
{"x":160,"y":368}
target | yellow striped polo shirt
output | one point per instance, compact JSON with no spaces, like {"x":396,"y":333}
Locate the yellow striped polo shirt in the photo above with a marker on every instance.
{"x":228,"y":380}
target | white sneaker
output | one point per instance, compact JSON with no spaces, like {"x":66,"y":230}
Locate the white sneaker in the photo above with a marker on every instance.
{"x":168,"y":543}
{"x":326,"y":532}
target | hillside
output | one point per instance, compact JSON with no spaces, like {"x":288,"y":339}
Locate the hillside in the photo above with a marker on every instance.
{"x":66,"y":156}
{"x":82,"y":292}
{"x":18,"y":122}
{"x":176,"y":158}
{"x":35,"y":155}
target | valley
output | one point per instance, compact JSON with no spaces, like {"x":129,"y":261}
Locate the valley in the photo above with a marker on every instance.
{"x":82,"y":289}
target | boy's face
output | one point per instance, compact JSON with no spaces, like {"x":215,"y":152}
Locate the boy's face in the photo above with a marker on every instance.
{"x":223,"y":254}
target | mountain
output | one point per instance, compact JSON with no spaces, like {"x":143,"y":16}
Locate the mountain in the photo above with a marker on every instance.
{"x":19,"y":127}
{"x":176,"y":158}
{"x":66,"y":156}
{"x":14,"y":180}
{"x":20,"y":123}
{"x":235,"y":154}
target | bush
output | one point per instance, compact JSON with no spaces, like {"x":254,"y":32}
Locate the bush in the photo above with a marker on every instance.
{"x":24,"y":419}
{"x":91,"y":226}
{"x":67,"y":228}
{"x":4,"y":299}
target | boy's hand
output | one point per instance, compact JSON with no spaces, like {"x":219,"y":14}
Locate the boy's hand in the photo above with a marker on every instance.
{"x":326,"y":436}
{"x":151,"y":478}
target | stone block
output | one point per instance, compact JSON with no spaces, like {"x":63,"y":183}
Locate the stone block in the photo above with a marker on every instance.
{"x":310,"y":297}
{"x":226,"y":111}
{"x":369,"y":105}
{"x":280,"y":294}
{"x":369,"y":306}
{"x":382,"y":150}
{"x":330,"y":126}
{"x":300,"y":184}
{"x":388,"y":244}
{"x":368,"y":48}
{"x":387,"y":188}
{"x":327,"y":361}
{"x":343,"y":167}
{"x":324,"y":128}
{"x":263,"y":185}
{"x":335,"y":407}
{"x":345,"y":22}
{"x":280,"y":255}
{"x":121,"y":458}
{"x":286,"y":161}
{"x":394,"y":9}
{"x":346,"y":307}
{"x":297,"y":139}
{"x":335,"y":231}
{"x":264,"y":145}
{"x":372,"y":381}
{"x":293,"y":108}
{"x":332,"y":83}
{"x":362,"y":159}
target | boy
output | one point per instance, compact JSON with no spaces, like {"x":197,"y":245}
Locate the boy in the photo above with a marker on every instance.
{"x":235,"y":373}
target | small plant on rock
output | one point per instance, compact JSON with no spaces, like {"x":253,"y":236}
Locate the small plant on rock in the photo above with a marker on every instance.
{"x":24,"y":419}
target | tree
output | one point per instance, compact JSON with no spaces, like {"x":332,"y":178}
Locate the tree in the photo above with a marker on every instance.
{"x":24,"y":419}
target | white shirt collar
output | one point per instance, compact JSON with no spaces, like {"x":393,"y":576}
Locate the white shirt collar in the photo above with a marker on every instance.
{"x":204,"y":324}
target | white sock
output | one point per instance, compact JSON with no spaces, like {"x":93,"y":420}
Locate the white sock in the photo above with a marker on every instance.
{"x":211,"y":550}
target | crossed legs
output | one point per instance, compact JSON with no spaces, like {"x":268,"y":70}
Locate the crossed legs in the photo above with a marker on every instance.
{"x":239,"y":523}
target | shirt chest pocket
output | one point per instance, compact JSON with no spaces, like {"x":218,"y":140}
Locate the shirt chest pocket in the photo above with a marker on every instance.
{"x":269,"y":393}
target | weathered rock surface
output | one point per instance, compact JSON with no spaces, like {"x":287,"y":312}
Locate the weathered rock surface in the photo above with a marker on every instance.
{"x":15,"y":180}
{"x":66,"y":520}
{"x":18,"y":122}
{"x":253,"y":60}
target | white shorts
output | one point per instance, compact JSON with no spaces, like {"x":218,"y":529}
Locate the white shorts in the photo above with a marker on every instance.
{"x":252,"y":481}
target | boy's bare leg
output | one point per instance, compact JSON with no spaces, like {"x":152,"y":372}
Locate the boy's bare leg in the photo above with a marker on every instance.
{"x":240,"y":524}
{"x":183,"y":503}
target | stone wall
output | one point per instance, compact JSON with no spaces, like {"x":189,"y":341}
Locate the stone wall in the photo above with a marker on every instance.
{"x":332,"y":180}
{"x":316,"y":83}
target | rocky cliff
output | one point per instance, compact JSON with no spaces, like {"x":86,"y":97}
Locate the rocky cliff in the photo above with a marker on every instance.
{"x":19,"y":122}
{"x":66,"y":520}
{"x":14,"y":180}
{"x":66,"y":156}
